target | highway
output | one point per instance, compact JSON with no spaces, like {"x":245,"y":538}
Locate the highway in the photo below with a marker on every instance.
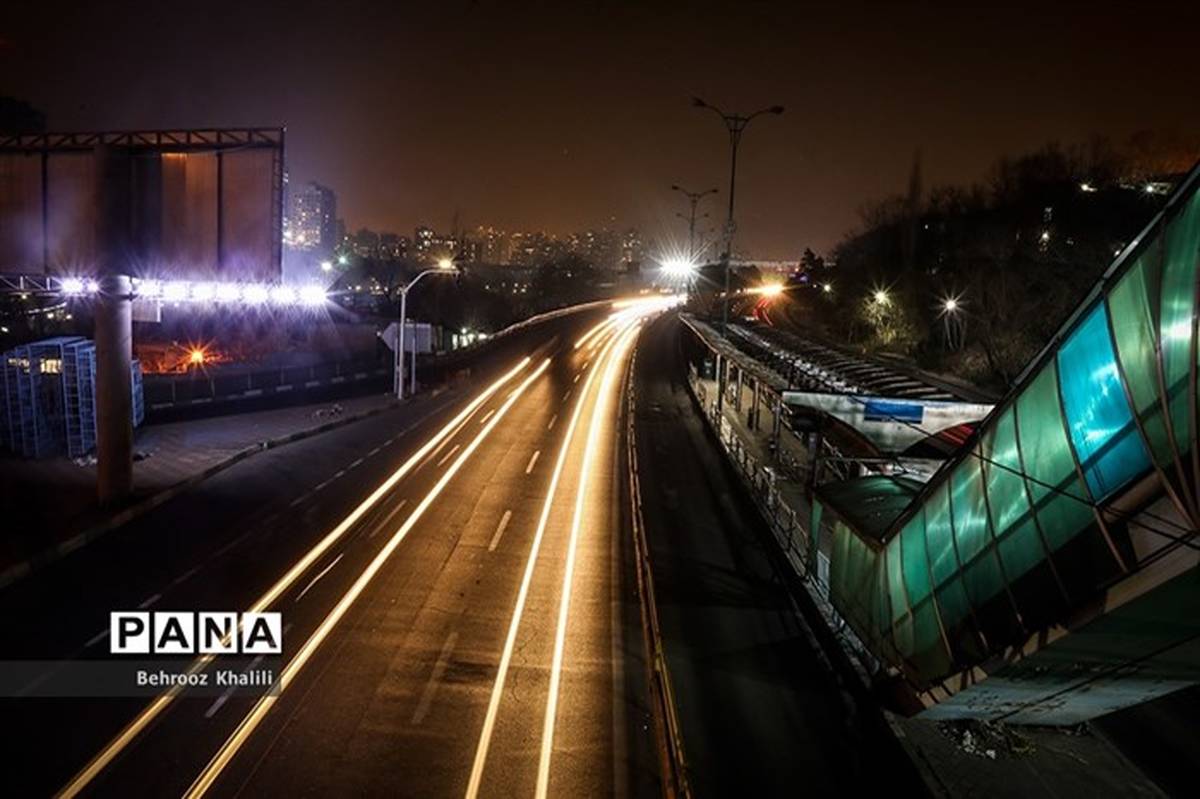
{"x":458,"y":620}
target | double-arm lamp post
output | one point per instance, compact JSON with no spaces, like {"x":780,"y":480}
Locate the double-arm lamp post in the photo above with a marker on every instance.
{"x":444,"y":267}
{"x":735,"y":124}
{"x":694,"y":198}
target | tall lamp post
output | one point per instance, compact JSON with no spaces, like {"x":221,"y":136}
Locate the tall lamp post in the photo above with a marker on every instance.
{"x":735,"y":124}
{"x":694,"y":198}
{"x":444,"y":267}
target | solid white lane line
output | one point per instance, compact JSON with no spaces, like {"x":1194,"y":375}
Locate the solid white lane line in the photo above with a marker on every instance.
{"x":510,"y":642}
{"x":495,"y":538}
{"x":435,"y":679}
{"x":251,"y":721}
{"x":449,"y":454}
{"x":132,"y":730}
{"x":532,"y":461}
{"x":387,"y":518}
{"x":553,"y":419}
{"x":320,"y":574}
{"x":564,"y":603}
{"x":487,"y":416}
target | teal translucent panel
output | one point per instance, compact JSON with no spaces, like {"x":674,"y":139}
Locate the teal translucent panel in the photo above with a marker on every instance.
{"x":1062,"y":504}
{"x":897,"y":598}
{"x":929,"y":647}
{"x":970,"y":512}
{"x":1178,"y":289}
{"x":1017,"y":536}
{"x":952,"y":602}
{"x":1107,"y":443}
{"x":1129,"y":305}
{"x":939,"y":537}
{"x":915,"y":560}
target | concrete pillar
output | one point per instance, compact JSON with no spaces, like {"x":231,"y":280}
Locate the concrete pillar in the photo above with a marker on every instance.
{"x":737,"y":399}
{"x":114,"y":389}
{"x":114,"y":326}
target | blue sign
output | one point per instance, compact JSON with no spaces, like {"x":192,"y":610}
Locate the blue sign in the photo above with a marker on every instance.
{"x":879,"y":410}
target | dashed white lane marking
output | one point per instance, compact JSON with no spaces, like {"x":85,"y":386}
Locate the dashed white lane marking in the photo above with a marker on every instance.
{"x":185,"y":575}
{"x":320,"y":574}
{"x":435,"y":679}
{"x":553,"y":419}
{"x":387,"y":519}
{"x":487,"y":416}
{"x":354,"y":464}
{"x":297,"y":501}
{"x":338,"y":473}
{"x":150,"y":600}
{"x":321,"y":485}
{"x":223,"y":698}
{"x":499,"y":530}
{"x":374,"y":452}
{"x":448,"y":455}
{"x":567,"y":395}
{"x":532,"y":461}
{"x":576,"y":378}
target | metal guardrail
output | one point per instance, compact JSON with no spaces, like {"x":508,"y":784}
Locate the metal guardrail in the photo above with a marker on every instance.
{"x":798,"y":546}
{"x":668,"y":728}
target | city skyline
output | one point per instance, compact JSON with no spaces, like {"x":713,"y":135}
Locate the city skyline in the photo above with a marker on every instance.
{"x":526,"y":116}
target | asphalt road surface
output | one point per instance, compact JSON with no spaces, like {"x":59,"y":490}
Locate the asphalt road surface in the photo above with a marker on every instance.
{"x":454,"y":593}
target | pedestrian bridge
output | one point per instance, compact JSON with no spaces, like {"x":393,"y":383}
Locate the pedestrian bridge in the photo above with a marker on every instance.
{"x":1047,"y":573}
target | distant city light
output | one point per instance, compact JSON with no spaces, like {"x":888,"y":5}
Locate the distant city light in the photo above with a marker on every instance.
{"x":343,"y":260}
{"x":196,"y":356}
{"x":1045,"y":237}
{"x":445,"y":263}
{"x":678,"y":266}
{"x":950,"y":304}
{"x":827,"y":287}
{"x":1087,"y":187}
{"x":326,"y":266}
{"x":881,"y":297}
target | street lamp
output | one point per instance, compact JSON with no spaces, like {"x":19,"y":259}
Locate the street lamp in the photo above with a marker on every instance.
{"x":735,"y":124}
{"x":694,"y":198}
{"x":444,"y":267}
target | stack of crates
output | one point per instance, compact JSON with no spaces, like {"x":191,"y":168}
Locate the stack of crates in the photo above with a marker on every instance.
{"x":49,"y":397}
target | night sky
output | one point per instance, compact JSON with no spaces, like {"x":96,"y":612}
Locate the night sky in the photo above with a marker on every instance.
{"x":563,"y":116}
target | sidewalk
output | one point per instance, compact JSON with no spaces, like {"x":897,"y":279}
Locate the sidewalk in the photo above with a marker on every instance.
{"x":50,"y":507}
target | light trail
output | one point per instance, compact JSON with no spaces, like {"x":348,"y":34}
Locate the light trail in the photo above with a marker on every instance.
{"x":246,"y":728}
{"x":560,"y":635}
{"x":135,"y":727}
{"x":489,"y":722}
{"x":594,"y":331}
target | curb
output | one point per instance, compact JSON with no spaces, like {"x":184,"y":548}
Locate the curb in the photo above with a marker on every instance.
{"x":40,"y":560}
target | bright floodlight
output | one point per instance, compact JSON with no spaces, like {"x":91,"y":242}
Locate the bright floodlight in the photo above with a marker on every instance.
{"x":678,"y":267}
{"x":312,"y":295}
{"x":202,"y":292}
{"x":175,"y":292}
{"x":445,"y":263}
{"x":326,"y":266}
{"x":284,"y":295}
{"x":771,"y":289}
{"x":827,"y":287}
{"x":343,"y":260}
{"x":229,"y":292}
{"x":72,"y":285}
{"x":255,"y":294}
{"x":881,"y":297}
{"x":951,"y":305}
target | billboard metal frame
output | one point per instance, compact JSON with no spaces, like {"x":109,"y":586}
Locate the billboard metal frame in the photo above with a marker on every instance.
{"x":198,"y":140}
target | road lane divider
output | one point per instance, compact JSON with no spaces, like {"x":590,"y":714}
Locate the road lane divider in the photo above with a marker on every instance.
{"x":140,"y":722}
{"x":246,"y":728}
{"x":499,"y":530}
{"x":532,"y":461}
{"x":510,"y":641}
{"x":599,"y":411}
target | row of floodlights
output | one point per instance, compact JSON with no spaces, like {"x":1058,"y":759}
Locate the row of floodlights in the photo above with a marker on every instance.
{"x":199,"y":291}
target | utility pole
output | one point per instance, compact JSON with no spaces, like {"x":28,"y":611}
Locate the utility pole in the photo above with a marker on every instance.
{"x":444,"y":267}
{"x":694,"y":198}
{"x":735,"y":124}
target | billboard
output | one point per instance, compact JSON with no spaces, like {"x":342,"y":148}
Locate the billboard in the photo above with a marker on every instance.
{"x":196,"y":204}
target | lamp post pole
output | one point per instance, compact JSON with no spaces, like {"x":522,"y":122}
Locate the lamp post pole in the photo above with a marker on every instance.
{"x":694,"y":198}
{"x":445,"y":267}
{"x":735,"y":124}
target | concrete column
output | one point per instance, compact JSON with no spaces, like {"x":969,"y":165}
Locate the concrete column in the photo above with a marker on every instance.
{"x":737,"y":400}
{"x":114,"y":389}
